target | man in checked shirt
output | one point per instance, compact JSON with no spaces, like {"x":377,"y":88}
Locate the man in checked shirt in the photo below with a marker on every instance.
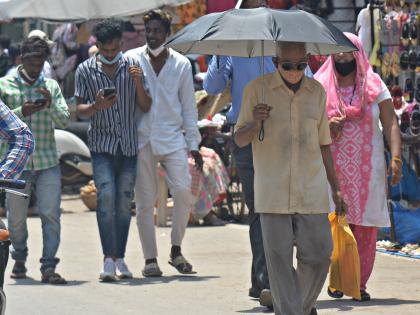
{"x":39,"y":103}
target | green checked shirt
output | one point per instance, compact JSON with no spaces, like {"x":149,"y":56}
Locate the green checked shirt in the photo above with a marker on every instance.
{"x":14,"y":92}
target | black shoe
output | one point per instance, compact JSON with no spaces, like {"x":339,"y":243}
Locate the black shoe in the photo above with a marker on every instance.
{"x":418,"y":60}
{"x":335,"y":294}
{"x":405,"y":122}
{"x":19,"y":270}
{"x":364,"y":296}
{"x":404,"y":58}
{"x":254,"y":293}
{"x":405,"y":34}
{"x":413,"y":34}
{"x":415,"y":121}
{"x":417,"y":92}
{"x":266,"y":299}
{"x":412,"y":60}
{"x":409,"y":90}
{"x":313,"y":311}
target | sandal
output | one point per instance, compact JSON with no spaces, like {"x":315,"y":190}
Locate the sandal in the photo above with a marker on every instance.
{"x":408,"y":90}
{"x":413,"y":34}
{"x":412,"y":60}
{"x":395,"y":69}
{"x":335,"y":294}
{"x":51,"y":277}
{"x":418,"y":63}
{"x":404,"y":59}
{"x":182,"y":265}
{"x":152,"y":270}
{"x":364,"y":296}
{"x":386,"y":65}
{"x":405,"y":35}
{"x":19,"y":270}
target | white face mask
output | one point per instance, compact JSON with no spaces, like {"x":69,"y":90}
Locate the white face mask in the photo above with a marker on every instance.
{"x":111,"y":62}
{"x":27,"y":76}
{"x":156,"y":52}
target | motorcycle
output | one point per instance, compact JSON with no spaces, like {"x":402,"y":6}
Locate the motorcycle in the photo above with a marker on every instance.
{"x":74,"y":157}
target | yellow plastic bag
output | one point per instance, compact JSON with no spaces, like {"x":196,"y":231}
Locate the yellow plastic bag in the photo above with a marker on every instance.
{"x":345,"y":263}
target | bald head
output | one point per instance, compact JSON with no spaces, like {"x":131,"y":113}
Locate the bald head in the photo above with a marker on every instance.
{"x":291,"y":50}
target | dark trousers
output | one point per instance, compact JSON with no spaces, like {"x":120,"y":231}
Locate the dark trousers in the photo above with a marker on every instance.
{"x":245,"y":168}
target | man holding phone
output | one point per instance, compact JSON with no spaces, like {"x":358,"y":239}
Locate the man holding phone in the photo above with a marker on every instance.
{"x":110,"y":89}
{"x":39,"y":103}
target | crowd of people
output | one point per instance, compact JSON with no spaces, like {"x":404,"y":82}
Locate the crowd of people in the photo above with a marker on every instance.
{"x":323,"y":151}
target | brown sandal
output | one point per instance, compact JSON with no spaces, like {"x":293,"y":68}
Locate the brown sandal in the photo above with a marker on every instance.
{"x":51,"y":277}
{"x":182,"y":265}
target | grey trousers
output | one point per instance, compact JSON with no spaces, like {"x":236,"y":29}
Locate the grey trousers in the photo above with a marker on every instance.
{"x":295,"y":291}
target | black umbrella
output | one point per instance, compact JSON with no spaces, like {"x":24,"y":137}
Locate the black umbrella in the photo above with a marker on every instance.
{"x":255,"y":32}
{"x":241,"y":32}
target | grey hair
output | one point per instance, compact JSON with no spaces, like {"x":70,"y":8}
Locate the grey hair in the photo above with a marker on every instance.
{"x":295,"y":46}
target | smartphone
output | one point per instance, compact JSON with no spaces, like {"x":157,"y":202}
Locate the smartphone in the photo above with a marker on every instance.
{"x":41,"y":102}
{"x":109,"y":91}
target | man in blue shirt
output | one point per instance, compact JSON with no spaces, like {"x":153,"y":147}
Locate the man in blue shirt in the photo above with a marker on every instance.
{"x":240,"y":71}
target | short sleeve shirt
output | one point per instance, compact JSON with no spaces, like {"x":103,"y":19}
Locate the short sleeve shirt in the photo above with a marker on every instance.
{"x":289,"y":172}
{"x":114,"y":127}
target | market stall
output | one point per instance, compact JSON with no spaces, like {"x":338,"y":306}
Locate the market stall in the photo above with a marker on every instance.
{"x":390,"y":32}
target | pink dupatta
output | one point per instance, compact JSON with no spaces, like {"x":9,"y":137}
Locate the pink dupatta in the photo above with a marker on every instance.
{"x":352,"y":150}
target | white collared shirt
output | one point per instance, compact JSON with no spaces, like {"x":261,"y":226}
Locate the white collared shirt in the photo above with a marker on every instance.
{"x":174,"y":110}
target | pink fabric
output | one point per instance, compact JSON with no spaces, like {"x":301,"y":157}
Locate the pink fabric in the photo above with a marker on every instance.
{"x":208,"y":186}
{"x":352,"y":149}
{"x":219,"y":6}
{"x":368,"y":84}
{"x":366,"y":244}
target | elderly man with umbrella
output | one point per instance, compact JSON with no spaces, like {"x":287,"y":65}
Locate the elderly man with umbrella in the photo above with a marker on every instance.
{"x":292,"y":166}
{"x":283,"y":116}
{"x":240,"y":71}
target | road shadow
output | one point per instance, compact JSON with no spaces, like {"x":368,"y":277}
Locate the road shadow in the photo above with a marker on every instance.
{"x":344,"y":305}
{"x":255,"y":310}
{"x":347,"y":305}
{"x":28,"y":281}
{"x":162,"y":280}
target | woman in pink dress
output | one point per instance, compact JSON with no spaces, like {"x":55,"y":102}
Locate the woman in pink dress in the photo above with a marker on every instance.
{"x":358,"y":104}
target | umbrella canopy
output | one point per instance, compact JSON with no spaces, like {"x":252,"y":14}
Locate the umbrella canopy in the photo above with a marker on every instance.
{"x":241,"y":32}
{"x":77,"y":10}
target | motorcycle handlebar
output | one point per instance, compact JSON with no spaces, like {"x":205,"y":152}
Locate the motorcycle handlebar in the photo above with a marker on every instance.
{"x":12,"y":183}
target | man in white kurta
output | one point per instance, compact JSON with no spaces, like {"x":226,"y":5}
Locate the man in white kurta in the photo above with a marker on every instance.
{"x":166,"y":134}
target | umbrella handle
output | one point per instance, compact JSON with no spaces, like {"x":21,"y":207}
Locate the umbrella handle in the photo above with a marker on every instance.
{"x":262,"y":133}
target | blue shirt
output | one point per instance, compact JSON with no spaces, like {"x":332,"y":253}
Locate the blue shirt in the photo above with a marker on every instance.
{"x":240,"y":70}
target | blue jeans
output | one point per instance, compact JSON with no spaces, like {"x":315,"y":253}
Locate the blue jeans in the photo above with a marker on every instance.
{"x":48,"y":192}
{"x":114,"y":177}
{"x":245,"y":168}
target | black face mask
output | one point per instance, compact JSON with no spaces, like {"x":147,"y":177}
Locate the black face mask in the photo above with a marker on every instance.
{"x":345,"y":68}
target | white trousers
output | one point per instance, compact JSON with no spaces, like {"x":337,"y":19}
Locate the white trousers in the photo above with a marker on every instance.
{"x":178,"y":179}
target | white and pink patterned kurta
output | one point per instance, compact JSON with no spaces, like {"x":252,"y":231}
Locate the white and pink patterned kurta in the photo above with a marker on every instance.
{"x":360,"y":164}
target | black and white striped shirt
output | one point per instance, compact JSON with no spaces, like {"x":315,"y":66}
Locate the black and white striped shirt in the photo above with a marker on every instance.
{"x":116,"y":126}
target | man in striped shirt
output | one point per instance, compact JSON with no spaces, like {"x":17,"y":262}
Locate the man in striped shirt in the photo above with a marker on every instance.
{"x":110,"y":89}
{"x":39,"y":103}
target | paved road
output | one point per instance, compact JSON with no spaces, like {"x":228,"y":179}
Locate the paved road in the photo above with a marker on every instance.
{"x":221,"y":257}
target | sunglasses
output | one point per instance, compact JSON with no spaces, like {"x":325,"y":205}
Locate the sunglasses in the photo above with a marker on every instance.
{"x":294,"y":66}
